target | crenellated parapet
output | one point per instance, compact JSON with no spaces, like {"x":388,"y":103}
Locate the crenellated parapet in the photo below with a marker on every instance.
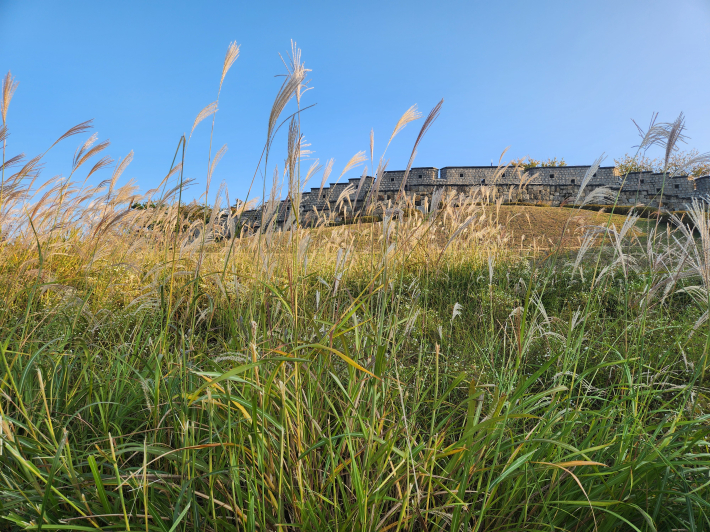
{"x":548,"y":185}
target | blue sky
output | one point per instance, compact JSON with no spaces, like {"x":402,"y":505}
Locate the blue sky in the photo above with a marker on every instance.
{"x":547,"y":79}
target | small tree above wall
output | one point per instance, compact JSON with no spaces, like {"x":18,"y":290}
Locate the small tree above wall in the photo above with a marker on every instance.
{"x":527,"y":162}
{"x":691,"y":163}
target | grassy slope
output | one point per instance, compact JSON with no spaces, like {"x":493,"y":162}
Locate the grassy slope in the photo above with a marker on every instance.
{"x":368,"y":406}
{"x":543,"y":226}
{"x":403,"y":375}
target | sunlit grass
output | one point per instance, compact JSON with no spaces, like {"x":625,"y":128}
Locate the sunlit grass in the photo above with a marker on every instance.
{"x":434,"y":371}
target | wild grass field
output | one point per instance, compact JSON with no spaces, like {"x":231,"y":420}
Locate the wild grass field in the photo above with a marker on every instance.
{"x":436,"y":371}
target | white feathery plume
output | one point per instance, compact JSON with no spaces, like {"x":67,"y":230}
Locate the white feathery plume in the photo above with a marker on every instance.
{"x":587,"y":176}
{"x":363,"y":178}
{"x":409,"y":115}
{"x":355,"y":161}
{"x":9,"y":85}
{"x":457,"y":311}
{"x":601,"y":195}
{"x":345,"y":194}
{"x":435,"y":201}
{"x":229,"y":59}
{"x":590,"y":237}
{"x":326,"y":174}
{"x":209,"y":110}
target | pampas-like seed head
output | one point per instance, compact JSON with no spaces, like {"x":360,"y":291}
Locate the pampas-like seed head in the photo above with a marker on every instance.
{"x":410,"y":115}
{"x":80,"y":150}
{"x":229,"y":59}
{"x":355,"y":160}
{"x":666,"y":134}
{"x":372,"y":147}
{"x":9,"y":86}
{"x":588,"y":176}
{"x":433,"y":114}
{"x":599,"y":195}
{"x":218,"y":156}
{"x":675,"y":134}
{"x":76,"y":130}
{"x":326,"y":174}
{"x":457,"y":311}
{"x":82,"y":157}
{"x":207,"y":111}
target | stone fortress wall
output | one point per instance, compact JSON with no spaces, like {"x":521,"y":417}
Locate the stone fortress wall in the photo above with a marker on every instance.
{"x":549,"y":185}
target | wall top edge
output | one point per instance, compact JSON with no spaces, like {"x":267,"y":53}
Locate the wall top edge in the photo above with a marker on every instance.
{"x":534,"y":168}
{"x":412,"y":169}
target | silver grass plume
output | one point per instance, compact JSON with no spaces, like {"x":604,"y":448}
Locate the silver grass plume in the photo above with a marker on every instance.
{"x":81,"y":149}
{"x":363,"y":178}
{"x":293,"y":85}
{"x":209,"y":110}
{"x":588,"y":176}
{"x":326,"y":174}
{"x":409,"y":115}
{"x":296,"y":66}
{"x":601,"y":195}
{"x":345,"y":195}
{"x":675,"y":134}
{"x":218,"y":157}
{"x":664,"y":134}
{"x":457,"y":311}
{"x":9,"y":86}
{"x":435,"y":202}
{"x":590,"y":238}
{"x":430,"y":119}
{"x":355,"y":161}
{"x":82,"y":157}
{"x":313,"y":170}
{"x":76,"y":130}
{"x":229,"y":59}
{"x":375,"y":188}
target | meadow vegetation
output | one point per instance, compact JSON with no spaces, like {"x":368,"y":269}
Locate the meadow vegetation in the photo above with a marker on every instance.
{"x":166,"y":368}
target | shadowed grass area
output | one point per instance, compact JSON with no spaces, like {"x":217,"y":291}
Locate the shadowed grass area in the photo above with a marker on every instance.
{"x":419,"y":373}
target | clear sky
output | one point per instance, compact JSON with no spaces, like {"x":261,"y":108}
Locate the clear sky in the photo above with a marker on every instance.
{"x":558,"y":78}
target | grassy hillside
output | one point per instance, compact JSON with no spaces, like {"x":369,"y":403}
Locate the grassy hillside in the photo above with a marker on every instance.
{"x":546,"y":228}
{"x":432,"y":372}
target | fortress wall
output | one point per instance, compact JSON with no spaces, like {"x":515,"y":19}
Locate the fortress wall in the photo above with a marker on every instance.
{"x":423,"y":176}
{"x":572,"y":175}
{"x":676,"y":190}
{"x":329,"y":195}
{"x":702,"y":185}
{"x":467,"y":175}
{"x":548,"y":185}
{"x":392,"y":180}
{"x":319,"y":201}
{"x":560,"y":175}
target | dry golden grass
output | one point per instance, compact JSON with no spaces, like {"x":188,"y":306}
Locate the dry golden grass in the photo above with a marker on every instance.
{"x":542,"y":227}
